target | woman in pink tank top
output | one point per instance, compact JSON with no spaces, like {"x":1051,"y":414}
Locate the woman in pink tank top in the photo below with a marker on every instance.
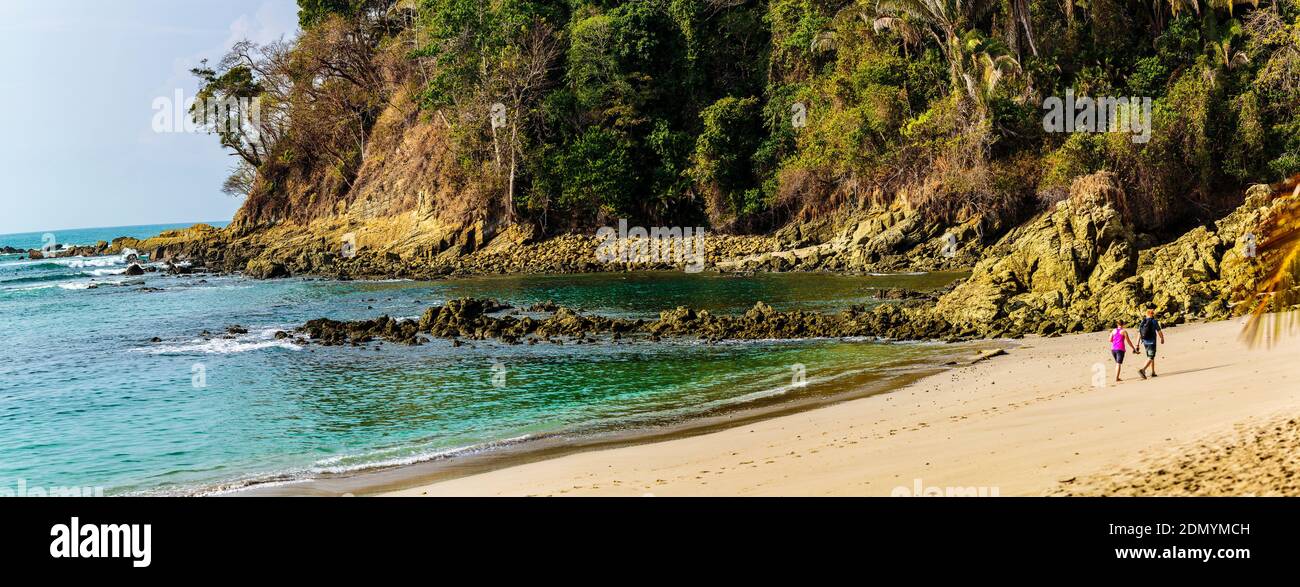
{"x":1118,"y":341}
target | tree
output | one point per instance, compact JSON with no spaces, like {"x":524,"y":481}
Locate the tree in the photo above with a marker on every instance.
{"x":255,"y":77}
{"x":224,"y":105}
{"x":314,"y":12}
{"x":1223,"y":41}
{"x":985,"y":63}
{"x":976,"y":64}
{"x":477,"y":54}
{"x":722,"y":165}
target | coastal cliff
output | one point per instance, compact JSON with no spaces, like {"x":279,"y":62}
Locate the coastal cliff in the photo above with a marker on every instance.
{"x":1077,"y":267}
{"x":407,"y":139}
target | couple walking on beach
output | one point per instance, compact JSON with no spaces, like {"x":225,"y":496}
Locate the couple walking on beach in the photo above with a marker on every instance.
{"x":1149,"y":331}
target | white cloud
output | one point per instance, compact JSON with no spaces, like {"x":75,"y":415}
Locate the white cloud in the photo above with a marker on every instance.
{"x":272,"y":21}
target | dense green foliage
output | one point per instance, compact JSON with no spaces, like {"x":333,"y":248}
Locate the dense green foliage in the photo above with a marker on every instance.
{"x":743,"y":114}
{"x":313,"y":12}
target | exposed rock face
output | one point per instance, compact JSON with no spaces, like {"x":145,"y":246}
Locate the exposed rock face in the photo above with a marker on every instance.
{"x":1208,"y":271}
{"x":380,"y":251}
{"x":1064,"y":270}
{"x":1078,"y":268}
{"x":886,"y":238}
{"x":265,"y":269}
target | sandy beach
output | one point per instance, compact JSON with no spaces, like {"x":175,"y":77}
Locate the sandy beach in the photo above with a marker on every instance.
{"x":1219,"y":420}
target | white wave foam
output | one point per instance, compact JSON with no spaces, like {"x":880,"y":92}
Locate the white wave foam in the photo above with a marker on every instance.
{"x":330,"y":466}
{"x":76,"y":285}
{"x":105,"y":261}
{"x":104,"y":272}
{"x":218,"y":346}
{"x":229,"y":487}
{"x":82,"y":263}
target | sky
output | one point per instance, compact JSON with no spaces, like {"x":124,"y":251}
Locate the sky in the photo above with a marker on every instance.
{"x":78,"y":81}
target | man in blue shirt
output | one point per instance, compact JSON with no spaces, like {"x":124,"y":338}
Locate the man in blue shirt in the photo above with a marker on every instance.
{"x":1149,"y":330}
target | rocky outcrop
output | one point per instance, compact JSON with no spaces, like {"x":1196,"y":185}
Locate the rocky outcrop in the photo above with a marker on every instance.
{"x":1210,"y":271}
{"x":98,"y":249}
{"x":885,"y":238}
{"x":331,"y":332}
{"x":341,"y":250}
{"x":265,"y":269}
{"x":1078,"y":268}
{"x":473,"y":319}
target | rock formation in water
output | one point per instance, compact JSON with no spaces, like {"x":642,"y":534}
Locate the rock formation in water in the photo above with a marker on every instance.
{"x":478,"y":319}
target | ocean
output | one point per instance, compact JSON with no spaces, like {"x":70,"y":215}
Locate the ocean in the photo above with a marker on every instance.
{"x":88,"y":399}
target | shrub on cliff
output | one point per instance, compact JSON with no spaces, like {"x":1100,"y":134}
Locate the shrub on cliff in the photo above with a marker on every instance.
{"x":746,"y":114}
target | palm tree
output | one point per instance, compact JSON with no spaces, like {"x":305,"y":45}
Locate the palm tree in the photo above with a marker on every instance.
{"x":976,"y":64}
{"x":944,"y":20}
{"x":985,"y":64}
{"x":1280,"y":254}
{"x":1223,"y":44}
{"x":866,"y":11}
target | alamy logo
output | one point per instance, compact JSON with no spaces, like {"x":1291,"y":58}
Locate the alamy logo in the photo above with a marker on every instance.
{"x":1096,"y":115}
{"x":798,"y":115}
{"x":798,"y":375}
{"x":659,"y":244}
{"x":178,"y":114}
{"x":1098,"y":375}
{"x":199,"y":375}
{"x":25,"y":490}
{"x":499,"y":371}
{"x":349,"y":245}
{"x":498,"y":116}
{"x":49,"y":244}
{"x":918,"y":489}
{"x":129,"y":541}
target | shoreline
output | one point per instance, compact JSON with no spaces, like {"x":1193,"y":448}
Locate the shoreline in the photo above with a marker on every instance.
{"x":431,"y":481}
{"x":957,"y":428}
{"x":506,"y":453}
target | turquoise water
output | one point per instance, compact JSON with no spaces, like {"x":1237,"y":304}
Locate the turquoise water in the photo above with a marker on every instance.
{"x":87,"y":400}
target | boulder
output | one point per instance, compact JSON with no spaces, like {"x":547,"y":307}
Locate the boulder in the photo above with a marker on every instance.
{"x":265,"y":269}
{"x":1048,"y":269}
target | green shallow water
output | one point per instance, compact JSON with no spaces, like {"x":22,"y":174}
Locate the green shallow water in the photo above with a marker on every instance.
{"x":87,"y":400}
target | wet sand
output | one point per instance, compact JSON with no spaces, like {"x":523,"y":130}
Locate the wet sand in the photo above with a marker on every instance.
{"x":1028,"y":423}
